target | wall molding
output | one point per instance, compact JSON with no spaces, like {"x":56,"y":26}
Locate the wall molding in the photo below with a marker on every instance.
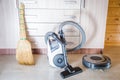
{"x":44,"y":51}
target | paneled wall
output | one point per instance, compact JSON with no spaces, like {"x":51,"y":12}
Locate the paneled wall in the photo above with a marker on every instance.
{"x":113,"y":24}
{"x":46,"y":15}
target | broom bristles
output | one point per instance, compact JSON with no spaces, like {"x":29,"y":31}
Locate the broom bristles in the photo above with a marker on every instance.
{"x":24,"y":52}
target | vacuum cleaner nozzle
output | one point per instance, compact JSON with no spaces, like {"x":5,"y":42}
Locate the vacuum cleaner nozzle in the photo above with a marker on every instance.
{"x":70,"y":71}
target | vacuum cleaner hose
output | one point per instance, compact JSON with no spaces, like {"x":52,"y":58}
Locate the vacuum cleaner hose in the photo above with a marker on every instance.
{"x":79,"y":28}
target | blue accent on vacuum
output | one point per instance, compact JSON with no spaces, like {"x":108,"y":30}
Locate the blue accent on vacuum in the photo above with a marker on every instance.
{"x":57,"y":49}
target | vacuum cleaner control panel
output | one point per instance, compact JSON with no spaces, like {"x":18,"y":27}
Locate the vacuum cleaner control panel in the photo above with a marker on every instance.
{"x":53,"y":44}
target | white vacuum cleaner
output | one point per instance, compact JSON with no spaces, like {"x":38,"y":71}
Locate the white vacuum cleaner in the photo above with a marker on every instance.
{"x":57,"y":53}
{"x":57,"y":49}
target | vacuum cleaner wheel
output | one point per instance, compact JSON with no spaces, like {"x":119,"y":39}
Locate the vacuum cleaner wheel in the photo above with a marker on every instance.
{"x":59,"y":60}
{"x":96,"y":61}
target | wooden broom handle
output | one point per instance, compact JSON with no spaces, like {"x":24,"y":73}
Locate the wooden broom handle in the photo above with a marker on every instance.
{"x":22,"y":22}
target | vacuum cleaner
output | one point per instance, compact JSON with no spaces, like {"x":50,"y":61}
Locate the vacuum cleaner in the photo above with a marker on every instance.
{"x":57,"y":52}
{"x":96,"y":61}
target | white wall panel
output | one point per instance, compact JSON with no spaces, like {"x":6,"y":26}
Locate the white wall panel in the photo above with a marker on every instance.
{"x":46,"y":15}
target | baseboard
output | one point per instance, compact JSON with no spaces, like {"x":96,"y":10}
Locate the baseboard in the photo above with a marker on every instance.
{"x":44,"y":51}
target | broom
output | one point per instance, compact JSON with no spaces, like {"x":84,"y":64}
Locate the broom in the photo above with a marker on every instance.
{"x":23,"y":51}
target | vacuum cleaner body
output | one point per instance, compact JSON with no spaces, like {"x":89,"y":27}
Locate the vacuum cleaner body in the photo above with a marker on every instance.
{"x":55,"y":51}
{"x":56,"y":45}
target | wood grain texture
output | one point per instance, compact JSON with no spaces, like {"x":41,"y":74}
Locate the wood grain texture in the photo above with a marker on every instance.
{"x":112,"y":50}
{"x":113,"y":28}
{"x":112,"y":43}
{"x":113,"y":20}
{"x":114,"y":3}
{"x":112,"y":37}
{"x":113,"y":12}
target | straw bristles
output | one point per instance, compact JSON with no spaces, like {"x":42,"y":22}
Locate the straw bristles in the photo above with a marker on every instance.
{"x":24,"y":52}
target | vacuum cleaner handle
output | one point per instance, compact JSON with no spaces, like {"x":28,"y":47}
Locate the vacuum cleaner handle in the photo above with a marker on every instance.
{"x":51,"y":34}
{"x":79,"y":28}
